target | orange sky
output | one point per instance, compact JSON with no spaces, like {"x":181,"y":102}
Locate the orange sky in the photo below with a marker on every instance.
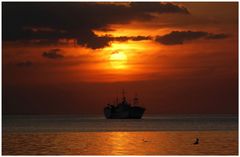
{"x":194,"y":76}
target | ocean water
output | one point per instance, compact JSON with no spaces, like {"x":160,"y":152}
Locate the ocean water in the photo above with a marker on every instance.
{"x":95,"y":135}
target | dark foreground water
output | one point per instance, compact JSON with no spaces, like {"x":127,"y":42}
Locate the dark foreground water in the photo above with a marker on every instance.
{"x":152,"y":135}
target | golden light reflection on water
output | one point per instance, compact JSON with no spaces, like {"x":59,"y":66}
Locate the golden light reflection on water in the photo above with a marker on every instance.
{"x":121,"y":143}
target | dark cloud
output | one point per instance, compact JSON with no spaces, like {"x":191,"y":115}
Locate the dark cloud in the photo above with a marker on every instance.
{"x":24,"y":64}
{"x":179,"y":37}
{"x":52,"y":21}
{"x":217,"y":36}
{"x":159,"y":8}
{"x":134,"y":38}
{"x":139,"y":38}
{"x":93,"y":41}
{"x":52,"y":54}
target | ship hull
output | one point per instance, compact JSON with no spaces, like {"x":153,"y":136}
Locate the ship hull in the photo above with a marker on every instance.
{"x":132,"y":113}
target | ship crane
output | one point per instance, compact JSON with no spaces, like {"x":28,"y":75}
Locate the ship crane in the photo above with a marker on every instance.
{"x":135,"y":100}
{"x":123,"y":95}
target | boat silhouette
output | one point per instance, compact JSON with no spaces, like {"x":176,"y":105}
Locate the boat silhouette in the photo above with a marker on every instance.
{"x":124,"y":110}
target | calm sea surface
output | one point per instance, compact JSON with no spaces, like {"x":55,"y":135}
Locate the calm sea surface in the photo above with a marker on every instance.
{"x":95,"y":135}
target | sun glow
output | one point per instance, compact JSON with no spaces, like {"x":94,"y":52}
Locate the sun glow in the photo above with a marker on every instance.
{"x":118,"y":60}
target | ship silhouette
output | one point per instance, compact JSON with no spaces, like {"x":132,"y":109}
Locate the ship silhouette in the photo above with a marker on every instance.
{"x":124,"y":110}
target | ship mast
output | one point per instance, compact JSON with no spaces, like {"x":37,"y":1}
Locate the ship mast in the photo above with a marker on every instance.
{"x":123,"y":94}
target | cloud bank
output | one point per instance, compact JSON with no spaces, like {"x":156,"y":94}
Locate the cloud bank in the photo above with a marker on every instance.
{"x":52,"y":21}
{"x":180,"y":37}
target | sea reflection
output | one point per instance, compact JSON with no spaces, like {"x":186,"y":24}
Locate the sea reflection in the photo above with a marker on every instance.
{"x":121,"y":143}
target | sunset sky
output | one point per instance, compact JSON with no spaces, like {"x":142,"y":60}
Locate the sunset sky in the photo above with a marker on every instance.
{"x":74,"y":58}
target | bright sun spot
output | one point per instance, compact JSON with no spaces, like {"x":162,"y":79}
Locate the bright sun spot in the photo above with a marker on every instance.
{"x":118,"y":60}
